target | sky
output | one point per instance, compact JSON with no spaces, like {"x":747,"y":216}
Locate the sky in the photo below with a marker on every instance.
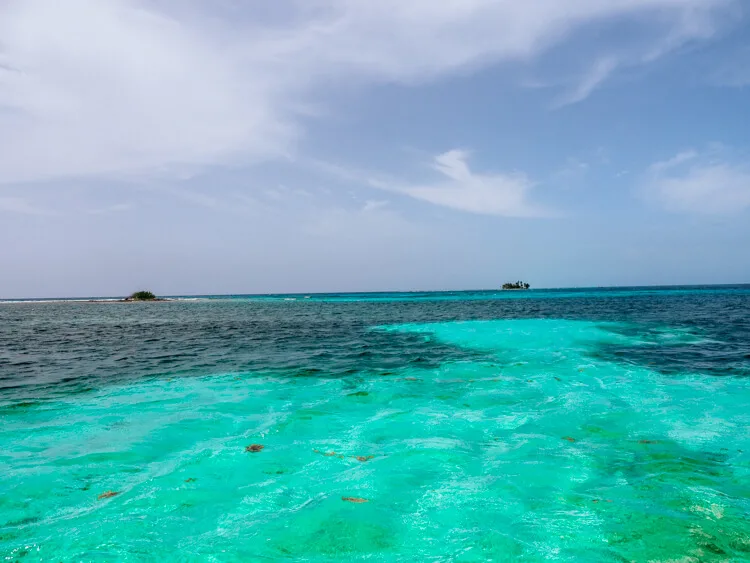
{"x":247,"y":146}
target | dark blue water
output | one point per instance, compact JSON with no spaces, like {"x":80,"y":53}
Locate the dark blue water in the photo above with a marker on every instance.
{"x":60,"y":346}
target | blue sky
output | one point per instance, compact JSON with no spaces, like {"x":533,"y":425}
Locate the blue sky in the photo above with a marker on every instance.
{"x":344,"y":145}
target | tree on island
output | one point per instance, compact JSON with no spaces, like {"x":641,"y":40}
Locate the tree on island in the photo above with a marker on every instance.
{"x":516,"y":285}
{"x":141,"y":296}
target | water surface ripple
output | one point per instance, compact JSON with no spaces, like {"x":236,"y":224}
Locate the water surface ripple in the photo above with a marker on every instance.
{"x":597,"y":425}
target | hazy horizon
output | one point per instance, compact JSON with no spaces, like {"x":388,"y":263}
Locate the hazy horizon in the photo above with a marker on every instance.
{"x":384,"y":291}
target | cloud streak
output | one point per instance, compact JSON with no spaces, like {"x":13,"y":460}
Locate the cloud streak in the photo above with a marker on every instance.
{"x":599,"y":72}
{"x":693,"y":183}
{"x":124,"y":86}
{"x":502,"y":195}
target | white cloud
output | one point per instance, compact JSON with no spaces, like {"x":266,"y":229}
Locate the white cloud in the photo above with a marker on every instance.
{"x":572,"y":172}
{"x":596,"y":75}
{"x":102,"y":87}
{"x":486,"y":194}
{"x":693,"y":183}
{"x":687,"y":25}
{"x":91,"y":87}
{"x":673,"y":162}
{"x":374,"y":205}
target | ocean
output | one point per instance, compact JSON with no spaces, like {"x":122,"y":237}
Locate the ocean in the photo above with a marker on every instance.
{"x":561,"y":425}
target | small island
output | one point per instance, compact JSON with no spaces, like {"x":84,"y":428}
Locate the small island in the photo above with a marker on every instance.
{"x":137,"y":297}
{"x":516,"y":285}
{"x":142,"y":296}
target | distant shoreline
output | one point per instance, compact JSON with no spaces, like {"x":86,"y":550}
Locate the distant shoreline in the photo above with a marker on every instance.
{"x":102,"y":300}
{"x":377,"y":294}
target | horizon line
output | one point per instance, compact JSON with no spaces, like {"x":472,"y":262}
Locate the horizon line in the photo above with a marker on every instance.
{"x":371,"y":292}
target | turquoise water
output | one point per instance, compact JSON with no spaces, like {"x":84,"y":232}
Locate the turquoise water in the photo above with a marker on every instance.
{"x":578,"y":427}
